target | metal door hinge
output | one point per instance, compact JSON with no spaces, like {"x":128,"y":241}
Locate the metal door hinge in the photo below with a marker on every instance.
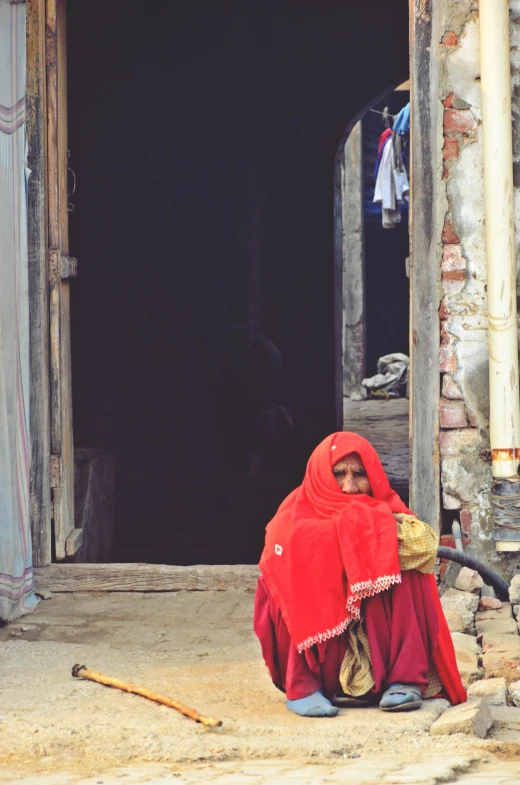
{"x":61,"y":267}
{"x":69,"y":267}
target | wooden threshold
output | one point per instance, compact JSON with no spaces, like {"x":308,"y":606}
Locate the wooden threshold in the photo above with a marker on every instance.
{"x":145,"y":577}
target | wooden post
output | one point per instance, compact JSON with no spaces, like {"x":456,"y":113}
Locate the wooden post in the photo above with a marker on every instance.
{"x":40,"y":490}
{"x":424,"y":264}
{"x":59,"y":293}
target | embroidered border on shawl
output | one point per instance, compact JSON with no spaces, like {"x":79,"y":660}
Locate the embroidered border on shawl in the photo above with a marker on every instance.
{"x":324,"y":636}
{"x":359,"y":591}
{"x":369,"y":588}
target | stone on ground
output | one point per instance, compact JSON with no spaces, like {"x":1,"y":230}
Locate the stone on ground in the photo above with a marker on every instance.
{"x":504,"y":626}
{"x":465,"y":642}
{"x":495,"y":613}
{"x":500,"y":642}
{"x":469,"y":580}
{"x":493,"y":690}
{"x":514,"y":590}
{"x":459,"y":621}
{"x":516,"y":609}
{"x":496,"y":622}
{"x":489,"y":604}
{"x":506,"y":723}
{"x":472,"y":718}
{"x":444,"y":769}
{"x":467,"y":663}
{"x":456,"y":600}
{"x":500,"y":652}
{"x":514,"y":693}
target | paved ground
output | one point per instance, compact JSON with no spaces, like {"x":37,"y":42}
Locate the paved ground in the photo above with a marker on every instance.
{"x":380,"y":771}
{"x":199,"y":648}
{"x":385,"y":424}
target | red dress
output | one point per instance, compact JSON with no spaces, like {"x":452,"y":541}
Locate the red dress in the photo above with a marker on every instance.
{"x":325,"y":554}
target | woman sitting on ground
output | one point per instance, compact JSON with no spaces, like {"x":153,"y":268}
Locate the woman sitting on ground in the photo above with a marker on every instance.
{"x":347,"y":609}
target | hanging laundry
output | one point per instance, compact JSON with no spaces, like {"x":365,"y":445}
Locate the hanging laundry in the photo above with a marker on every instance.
{"x":385,"y":136}
{"x":401,"y":128}
{"x":392,"y":187}
{"x":402,"y":121}
{"x":383,"y":139}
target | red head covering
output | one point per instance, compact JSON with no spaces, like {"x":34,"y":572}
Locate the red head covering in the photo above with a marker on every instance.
{"x":326,"y":550}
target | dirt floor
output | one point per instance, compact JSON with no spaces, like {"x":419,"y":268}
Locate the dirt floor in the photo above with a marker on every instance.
{"x":198,"y":647}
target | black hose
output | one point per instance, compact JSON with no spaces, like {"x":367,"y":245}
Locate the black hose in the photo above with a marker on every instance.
{"x":490,"y":577}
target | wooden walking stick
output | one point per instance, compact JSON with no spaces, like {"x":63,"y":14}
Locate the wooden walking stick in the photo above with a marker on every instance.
{"x":81,"y":671}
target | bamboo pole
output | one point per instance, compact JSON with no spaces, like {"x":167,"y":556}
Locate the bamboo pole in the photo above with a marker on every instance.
{"x":82,"y":672}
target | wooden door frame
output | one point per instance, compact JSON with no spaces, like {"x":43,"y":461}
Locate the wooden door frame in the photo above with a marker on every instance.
{"x":426,"y":158}
{"x":39,"y":406}
{"x":424,"y":300}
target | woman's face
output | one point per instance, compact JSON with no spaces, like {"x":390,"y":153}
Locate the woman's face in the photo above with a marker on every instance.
{"x":351,"y":475}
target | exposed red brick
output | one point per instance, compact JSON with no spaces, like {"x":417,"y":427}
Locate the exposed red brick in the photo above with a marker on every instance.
{"x":453,"y":282}
{"x":449,"y":388}
{"x":443,"y":567}
{"x":458,"y":121}
{"x":472,"y":420}
{"x":448,"y":101}
{"x":448,"y":540}
{"x":454,"y":441}
{"x":448,"y":235}
{"x":452,"y":258}
{"x":452,"y":414}
{"x":449,"y":39}
{"x":444,"y":310}
{"x":446,"y":338}
{"x":446,"y":173}
{"x":448,"y":359}
{"x":489,"y":604}
{"x":450,"y":149}
{"x":466,"y":519}
{"x":454,"y":275}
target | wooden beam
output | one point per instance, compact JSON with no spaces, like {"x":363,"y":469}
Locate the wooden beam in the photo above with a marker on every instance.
{"x":39,"y":405}
{"x":59,"y":288}
{"x":146,"y":577}
{"x":73,"y":543}
{"x":67,"y":442}
{"x":424,"y":264}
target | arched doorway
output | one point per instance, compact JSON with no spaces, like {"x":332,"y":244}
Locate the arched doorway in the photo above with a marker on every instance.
{"x":372,"y":250}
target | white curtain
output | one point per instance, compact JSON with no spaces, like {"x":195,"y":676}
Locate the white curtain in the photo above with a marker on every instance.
{"x":16,"y":575}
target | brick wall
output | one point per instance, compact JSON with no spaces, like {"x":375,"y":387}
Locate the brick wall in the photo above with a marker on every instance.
{"x":457,"y":421}
{"x":462,"y":276}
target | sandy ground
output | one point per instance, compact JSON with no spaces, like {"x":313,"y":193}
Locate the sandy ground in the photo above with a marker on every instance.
{"x":197,"y":647}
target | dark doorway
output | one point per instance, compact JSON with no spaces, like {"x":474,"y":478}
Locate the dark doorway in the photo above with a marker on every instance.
{"x":202,"y":138}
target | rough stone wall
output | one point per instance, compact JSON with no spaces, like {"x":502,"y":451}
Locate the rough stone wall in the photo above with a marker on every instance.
{"x":464,"y":405}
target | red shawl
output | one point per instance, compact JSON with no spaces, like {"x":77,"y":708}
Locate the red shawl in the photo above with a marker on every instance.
{"x":325,"y":551}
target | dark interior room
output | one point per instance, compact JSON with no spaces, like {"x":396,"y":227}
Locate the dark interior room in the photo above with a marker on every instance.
{"x":202,"y":137}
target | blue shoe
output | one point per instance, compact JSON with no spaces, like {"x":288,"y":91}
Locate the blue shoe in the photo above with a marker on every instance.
{"x":401,"y":697}
{"x":315,"y":705}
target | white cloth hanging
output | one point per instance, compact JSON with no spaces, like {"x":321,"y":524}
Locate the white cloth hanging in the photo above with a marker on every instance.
{"x":16,"y":573}
{"x":392,"y":188}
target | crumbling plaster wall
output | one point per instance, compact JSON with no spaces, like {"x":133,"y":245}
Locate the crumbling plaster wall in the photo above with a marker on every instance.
{"x":464,"y":406}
